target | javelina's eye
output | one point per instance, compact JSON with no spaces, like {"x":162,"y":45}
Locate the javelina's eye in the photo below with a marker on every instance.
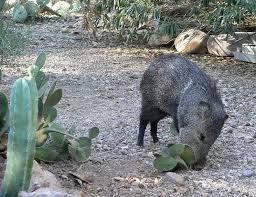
{"x":201,"y":137}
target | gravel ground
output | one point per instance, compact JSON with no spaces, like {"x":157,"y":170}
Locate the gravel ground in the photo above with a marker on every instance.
{"x":100,"y":80}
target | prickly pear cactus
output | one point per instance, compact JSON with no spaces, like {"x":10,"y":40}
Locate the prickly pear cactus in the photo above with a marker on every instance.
{"x":31,"y":8}
{"x":19,"y":13}
{"x":3,"y":114}
{"x":42,"y":3}
{"x":21,"y":138}
{"x":173,"y":156}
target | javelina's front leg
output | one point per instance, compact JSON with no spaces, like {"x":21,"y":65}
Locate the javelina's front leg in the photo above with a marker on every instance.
{"x":153,"y":125}
{"x":143,"y":126}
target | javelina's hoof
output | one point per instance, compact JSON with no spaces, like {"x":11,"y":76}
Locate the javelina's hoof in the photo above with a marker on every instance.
{"x":155,"y":139}
{"x":140,"y":143}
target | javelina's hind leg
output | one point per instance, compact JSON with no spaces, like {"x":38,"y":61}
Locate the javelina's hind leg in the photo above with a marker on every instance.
{"x":143,"y":126}
{"x":153,"y":125}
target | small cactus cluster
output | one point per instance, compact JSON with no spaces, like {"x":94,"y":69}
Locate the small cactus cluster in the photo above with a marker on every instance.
{"x":173,"y":156}
{"x":22,"y":11}
{"x":4,"y":124}
{"x":63,"y":145}
{"x":4,"y":119}
{"x":30,"y":9}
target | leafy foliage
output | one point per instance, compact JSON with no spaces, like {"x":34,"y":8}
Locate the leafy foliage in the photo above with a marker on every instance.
{"x":138,"y":19}
{"x":224,"y":15}
{"x":133,"y":19}
{"x":173,"y":156}
{"x":63,"y":145}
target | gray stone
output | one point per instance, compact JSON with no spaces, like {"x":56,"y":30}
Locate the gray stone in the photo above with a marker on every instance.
{"x":244,"y":57}
{"x":158,"y":39}
{"x":50,"y":192}
{"x":226,"y":45}
{"x":61,"y":7}
{"x":248,"y":173}
{"x":175,"y":178}
{"x":254,"y":136}
{"x":42,"y":178}
{"x":220,"y":45}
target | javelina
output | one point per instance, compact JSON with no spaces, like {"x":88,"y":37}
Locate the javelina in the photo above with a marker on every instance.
{"x":173,"y":86}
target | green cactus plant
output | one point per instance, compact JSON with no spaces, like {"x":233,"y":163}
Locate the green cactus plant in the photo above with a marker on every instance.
{"x":4,"y":123}
{"x":21,"y":138}
{"x":31,"y":8}
{"x":28,"y":9}
{"x":42,"y":3}
{"x":19,"y":13}
{"x":61,"y":144}
{"x":173,"y":156}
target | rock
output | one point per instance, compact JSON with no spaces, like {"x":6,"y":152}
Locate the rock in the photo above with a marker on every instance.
{"x":247,"y":124}
{"x":61,"y":7}
{"x":244,"y":57}
{"x":248,"y":173}
{"x":158,"y":39}
{"x":42,"y":178}
{"x":150,"y":155}
{"x":220,"y":45}
{"x":191,"y":41}
{"x":50,"y":192}
{"x":175,"y":178}
{"x":44,"y":183}
{"x":225,"y":45}
{"x":254,"y":136}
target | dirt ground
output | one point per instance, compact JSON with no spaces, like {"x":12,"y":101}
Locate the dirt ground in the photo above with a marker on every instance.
{"x":100,"y":80}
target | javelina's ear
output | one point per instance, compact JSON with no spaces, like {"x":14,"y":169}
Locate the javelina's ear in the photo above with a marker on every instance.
{"x":226,"y":116}
{"x":204,"y":110}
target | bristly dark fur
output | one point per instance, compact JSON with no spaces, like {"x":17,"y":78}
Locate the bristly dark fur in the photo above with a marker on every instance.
{"x":173,"y":86}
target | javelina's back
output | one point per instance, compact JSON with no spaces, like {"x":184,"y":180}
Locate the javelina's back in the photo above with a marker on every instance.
{"x":167,"y":79}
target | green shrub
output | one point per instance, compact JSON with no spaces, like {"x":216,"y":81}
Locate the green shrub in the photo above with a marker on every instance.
{"x":132,"y":19}
{"x":224,"y":15}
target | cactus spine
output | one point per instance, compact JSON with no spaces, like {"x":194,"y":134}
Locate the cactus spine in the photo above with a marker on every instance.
{"x":21,"y":139}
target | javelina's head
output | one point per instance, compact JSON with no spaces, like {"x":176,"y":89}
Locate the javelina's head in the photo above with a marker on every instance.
{"x":200,"y":125}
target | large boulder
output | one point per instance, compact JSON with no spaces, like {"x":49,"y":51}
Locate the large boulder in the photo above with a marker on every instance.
{"x":225,"y":45}
{"x":221,"y":45}
{"x":191,"y":41}
{"x":44,"y":183}
{"x":61,"y":7}
{"x":42,"y":178}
